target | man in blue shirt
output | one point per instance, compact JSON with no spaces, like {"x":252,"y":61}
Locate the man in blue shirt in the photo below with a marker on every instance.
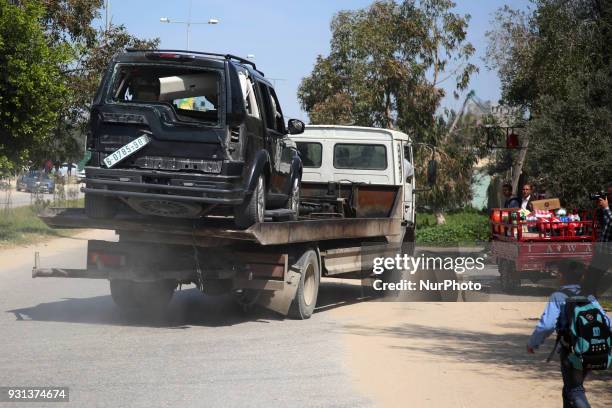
{"x":553,"y":319}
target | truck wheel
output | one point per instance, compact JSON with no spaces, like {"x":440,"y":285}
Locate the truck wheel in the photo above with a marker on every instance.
{"x":153,"y":296}
{"x":510,"y":279}
{"x":97,"y":206}
{"x":305,"y":300}
{"x":252,"y":210}
{"x":293,"y":203}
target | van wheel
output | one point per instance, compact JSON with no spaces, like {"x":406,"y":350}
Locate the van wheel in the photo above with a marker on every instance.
{"x":293,"y":203}
{"x":252,"y":210}
{"x":153,"y":296}
{"x":97,"y":206}
{"x":305,"y":300}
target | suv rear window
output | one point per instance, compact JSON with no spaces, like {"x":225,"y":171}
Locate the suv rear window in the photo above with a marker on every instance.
{"x":360,"y":156}
{"x":310,"y":153}
{"x":193,"y":93}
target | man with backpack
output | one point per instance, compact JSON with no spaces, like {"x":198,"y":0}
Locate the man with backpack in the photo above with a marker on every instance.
{"x":583,"y":332}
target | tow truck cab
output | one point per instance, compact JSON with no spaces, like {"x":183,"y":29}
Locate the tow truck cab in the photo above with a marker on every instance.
{"x":351,"y":171}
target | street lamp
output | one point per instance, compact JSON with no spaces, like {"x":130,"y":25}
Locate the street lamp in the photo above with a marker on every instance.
{"x":188,"y":23}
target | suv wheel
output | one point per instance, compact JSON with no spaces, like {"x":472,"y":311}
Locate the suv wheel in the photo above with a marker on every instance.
{"x":253,"y":209}
{"x":293,"y":203}
{"x":99,"y":206}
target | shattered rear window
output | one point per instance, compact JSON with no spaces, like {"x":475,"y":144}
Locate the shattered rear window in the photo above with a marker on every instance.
{"x":193,"y":93}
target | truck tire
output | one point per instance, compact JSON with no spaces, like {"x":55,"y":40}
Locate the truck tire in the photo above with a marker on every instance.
{"x":97,"y":206}
{"x":293,"y":202}
{"x":509,"y":277}
{"x":253,"y":209}
{"x":305,"y":300}
{"x":152,"y":296}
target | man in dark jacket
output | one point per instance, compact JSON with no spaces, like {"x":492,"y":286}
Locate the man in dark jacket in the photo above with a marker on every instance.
{"x":527,"y":194}
{"x":510,"y":201}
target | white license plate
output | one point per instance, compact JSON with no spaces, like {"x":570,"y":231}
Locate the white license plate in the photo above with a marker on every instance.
{"x":127,"y":150}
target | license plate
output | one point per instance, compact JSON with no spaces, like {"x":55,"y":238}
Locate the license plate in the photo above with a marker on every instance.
{"x":127,"y":150}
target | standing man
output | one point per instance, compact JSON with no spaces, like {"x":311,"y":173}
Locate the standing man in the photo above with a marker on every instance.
{"x":510,"y":201}
{"x":527,"y":193}
{"x":597,"y":281}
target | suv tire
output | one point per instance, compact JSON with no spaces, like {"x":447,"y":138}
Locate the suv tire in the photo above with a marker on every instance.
{"x":252,"y":210}
{"x":99,"y":206}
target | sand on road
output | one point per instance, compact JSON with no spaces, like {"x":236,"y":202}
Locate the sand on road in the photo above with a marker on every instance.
{"x":454,"y":355}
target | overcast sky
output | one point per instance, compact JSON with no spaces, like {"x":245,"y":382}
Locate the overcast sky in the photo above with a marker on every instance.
{"x":285,"y":36}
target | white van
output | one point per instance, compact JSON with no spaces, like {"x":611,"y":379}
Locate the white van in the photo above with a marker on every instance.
{"x":355,"y":171}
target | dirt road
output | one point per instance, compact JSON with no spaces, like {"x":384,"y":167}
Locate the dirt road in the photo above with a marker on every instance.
{"x":454,"y":355}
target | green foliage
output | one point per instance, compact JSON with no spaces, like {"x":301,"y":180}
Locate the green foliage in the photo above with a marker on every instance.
{"x":54,"y":60}
{"x":384,"y":70}
{"x":21,"y":225}
{"x":556,"y":62}
{"x":376,"y":72}
{"x":466,"y":226}
{"x":32,"y":87}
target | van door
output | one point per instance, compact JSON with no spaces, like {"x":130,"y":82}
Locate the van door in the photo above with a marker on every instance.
{"x":408,"y":181}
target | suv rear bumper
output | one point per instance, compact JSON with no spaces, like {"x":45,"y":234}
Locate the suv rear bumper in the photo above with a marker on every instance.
{"x":187,"y":187}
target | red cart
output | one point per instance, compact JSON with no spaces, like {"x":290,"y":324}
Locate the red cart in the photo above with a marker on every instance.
{"x":533,"y":248}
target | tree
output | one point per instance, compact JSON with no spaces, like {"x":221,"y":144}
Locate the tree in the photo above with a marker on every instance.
{"x":385,"y":68}
{"x":555,"y":62}
{"x":55,"y":62}
{"x":32,"y":86}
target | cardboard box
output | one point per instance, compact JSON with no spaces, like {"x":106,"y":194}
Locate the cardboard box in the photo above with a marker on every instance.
{"x":548,"y":204}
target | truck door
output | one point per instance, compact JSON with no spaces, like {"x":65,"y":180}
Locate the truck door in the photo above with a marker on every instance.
{"x":408,"y":181}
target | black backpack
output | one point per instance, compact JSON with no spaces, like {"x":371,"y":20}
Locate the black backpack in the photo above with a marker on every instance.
{"x":587,"y":335}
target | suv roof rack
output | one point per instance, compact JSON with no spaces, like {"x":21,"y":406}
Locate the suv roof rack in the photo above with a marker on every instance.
{"x":226,"y":56}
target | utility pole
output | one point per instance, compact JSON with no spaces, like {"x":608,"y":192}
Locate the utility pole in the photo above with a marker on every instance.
{"x":188,"y":23}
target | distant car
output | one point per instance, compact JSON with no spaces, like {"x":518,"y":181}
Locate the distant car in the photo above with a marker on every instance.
{"x":22,"y":182}
{"x":40,"y":184}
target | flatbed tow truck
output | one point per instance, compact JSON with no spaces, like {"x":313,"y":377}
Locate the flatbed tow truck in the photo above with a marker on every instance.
{"x":351,"y":217}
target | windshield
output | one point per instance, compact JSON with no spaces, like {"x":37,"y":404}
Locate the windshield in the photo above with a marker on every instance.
{"x":194,"y":94}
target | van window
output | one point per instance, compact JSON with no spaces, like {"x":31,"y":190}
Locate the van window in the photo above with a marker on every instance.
{"x":360,"y":156}
{"x":311,"y":153}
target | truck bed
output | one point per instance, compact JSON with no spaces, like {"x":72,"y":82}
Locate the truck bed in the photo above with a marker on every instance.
{"x":219,"y":230}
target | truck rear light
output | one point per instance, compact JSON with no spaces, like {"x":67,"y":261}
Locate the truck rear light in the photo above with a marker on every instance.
{"x":104,"y":259}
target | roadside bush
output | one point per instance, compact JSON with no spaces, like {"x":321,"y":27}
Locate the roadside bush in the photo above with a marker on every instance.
{"x":466,"y":226}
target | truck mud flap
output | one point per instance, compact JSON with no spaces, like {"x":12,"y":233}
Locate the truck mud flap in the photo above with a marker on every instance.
{"x":279,"y":301}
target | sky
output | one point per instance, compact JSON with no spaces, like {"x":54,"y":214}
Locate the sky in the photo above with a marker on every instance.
{"x":285,"y":36}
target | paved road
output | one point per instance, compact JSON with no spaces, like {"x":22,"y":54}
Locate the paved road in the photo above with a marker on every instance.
{"x":16,"y":199}
{"x":205,"y":353}
{"x":19,"y":198}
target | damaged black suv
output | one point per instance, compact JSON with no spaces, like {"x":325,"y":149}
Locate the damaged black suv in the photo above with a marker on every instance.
{"x":186,"y":134}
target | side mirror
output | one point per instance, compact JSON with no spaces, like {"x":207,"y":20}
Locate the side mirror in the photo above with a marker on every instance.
{"x":295,"y":126}
{"x":432,"y":172}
